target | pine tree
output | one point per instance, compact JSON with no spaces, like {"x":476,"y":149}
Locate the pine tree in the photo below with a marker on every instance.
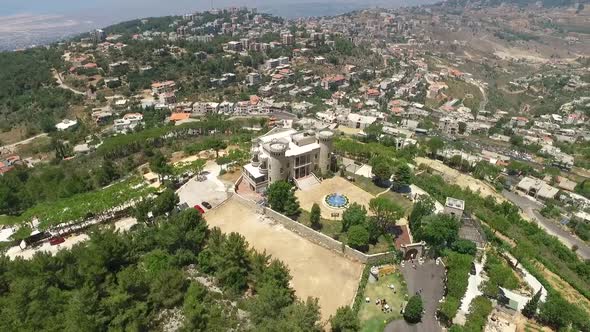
{"x":530,"y":308}
{"x":315,"y":216}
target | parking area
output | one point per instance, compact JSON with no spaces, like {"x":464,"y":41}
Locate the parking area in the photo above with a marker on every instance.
{"x":428,"y":280}
{"x":206,"y":188}
{"x":316,"y":271}
{"x":120,"y":225}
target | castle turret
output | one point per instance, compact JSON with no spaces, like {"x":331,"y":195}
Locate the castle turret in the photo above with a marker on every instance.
{"x":325,"y":140}
{"x":277,"y":162}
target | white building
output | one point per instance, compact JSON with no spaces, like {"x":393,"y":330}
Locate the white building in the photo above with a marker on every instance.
{"x":127,"y":123}
{"x":66,"y":124}
{"x":354,"y":120}
{"x":287,"y":154}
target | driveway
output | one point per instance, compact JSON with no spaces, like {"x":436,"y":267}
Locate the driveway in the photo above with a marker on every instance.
{"x":207,"y":188}
{"x":531,"y":209}
{"x":429,"y":278}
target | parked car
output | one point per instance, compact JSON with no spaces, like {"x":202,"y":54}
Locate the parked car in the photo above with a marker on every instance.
{"x":199,"y":208}
{"x":56,"y":240}
{"x":206,"y":205}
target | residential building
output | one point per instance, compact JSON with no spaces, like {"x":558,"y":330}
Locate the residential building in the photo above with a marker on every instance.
{"x":448,"y":125}
{"x":286,"y":154}
{"x":536,"y":188}
{"x":454,"y":207}
{"x":66,"y":124}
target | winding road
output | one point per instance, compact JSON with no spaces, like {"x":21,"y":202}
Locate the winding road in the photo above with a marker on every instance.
{"x":11,"y":147}
{"x":65,"y":86}
{"x":531,"y":210}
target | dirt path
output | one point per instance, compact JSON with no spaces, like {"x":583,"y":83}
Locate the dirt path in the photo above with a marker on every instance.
{"x":62,"y":85}
{"x":10,"y":148}
{"x":462,"y":180}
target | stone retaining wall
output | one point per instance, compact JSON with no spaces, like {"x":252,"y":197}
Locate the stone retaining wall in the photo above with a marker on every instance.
{"x":315,"y":236}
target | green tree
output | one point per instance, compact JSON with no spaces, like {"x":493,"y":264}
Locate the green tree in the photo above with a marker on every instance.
{"x":315,"y":216}
{"x":520,"y":168}
{"x":159,"y":165}
{"x":435,"y":144}
{"x":345,"y":320}
{"x":107,"y":173}
{"x":516,"y":140}
{"x":530,"y":308}
{"x":282,"y":198}
{"x":358,"y":237}
{"x":382,"y":168}
{"x":201,"y":311}
{"x":439,"y":231}
{"x":355,"y":214}
{"x":386,"y":212}
{"x":403,"y":175}
{"x":165,"y":202}
{"x":215,"y":144}
{"x":422,"y":208}
{"x":197,"y":166}
{"x":373,"y":132}
{"x":483,"y":170}
{"x":464,"y":247}
{"x":235,"y":264}
{"x":413,"y":310}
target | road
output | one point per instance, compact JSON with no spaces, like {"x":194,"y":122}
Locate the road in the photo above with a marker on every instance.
{"x":64,"y":86}
{"x":531,"y":210}
{"x":11,"y":147}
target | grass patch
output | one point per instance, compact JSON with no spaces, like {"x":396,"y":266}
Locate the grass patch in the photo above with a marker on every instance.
{"x":369,"y":186}
{"x":370,"y":314}
{"x":333,"y":229}
{"x":460,"y":89}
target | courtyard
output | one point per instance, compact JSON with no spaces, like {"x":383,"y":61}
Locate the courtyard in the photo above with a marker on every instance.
{"x":316,"y":271}
{"x":338,"y":185}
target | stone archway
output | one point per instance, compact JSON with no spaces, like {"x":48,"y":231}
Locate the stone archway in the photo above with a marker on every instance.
{"x":411,"y":254}
{"x":413,"y":250}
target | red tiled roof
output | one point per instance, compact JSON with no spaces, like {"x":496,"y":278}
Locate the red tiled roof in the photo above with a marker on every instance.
{"x":179,"y":116}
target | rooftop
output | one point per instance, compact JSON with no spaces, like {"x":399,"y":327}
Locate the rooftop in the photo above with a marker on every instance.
{"x":455,"y":203}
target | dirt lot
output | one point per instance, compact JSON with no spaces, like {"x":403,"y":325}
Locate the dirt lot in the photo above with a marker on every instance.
{"x":317,"y":193}
{"x":462,"y":180}
{"x":316,"y":271}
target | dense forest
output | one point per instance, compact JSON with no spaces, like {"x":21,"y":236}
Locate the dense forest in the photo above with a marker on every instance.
{"x":28,"y":91}
{"x":137,"y":281}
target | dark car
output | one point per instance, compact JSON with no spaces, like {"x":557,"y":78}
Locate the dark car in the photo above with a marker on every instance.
{"x":56,"y":240}
{"x":206,"y":204}
{"x":200,"y":209}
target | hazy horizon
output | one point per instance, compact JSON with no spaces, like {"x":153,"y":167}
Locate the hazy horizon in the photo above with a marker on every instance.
{"x":32,"y":22}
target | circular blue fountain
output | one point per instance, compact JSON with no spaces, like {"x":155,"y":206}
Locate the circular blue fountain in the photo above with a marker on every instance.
{"x":337,"y":201}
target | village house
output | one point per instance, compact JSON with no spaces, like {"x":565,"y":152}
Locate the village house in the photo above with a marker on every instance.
{"x":536,"y":188}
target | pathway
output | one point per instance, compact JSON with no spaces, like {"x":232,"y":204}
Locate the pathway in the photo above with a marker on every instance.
{"x":10,"y":147}
{"x":63,"y":85}
{"x":531,"y":213}
{"x":474,"y":281}
{"x":429,"y":279}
